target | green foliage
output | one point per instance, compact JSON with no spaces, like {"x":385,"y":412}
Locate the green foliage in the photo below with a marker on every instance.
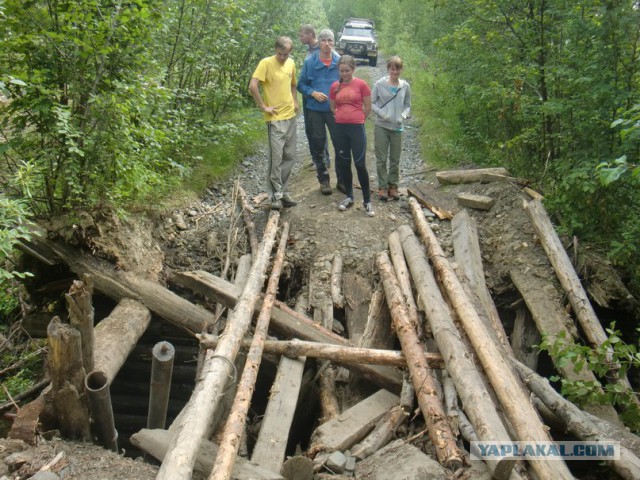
{"x":22,"y":365}
{"x":611,"y":360}
{"x":13,"y":228}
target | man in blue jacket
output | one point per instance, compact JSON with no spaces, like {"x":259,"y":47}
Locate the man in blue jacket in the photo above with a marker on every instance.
{"x":319,"y":71}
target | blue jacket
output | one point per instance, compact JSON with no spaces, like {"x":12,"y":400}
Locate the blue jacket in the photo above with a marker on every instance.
{"x":315,"y":76}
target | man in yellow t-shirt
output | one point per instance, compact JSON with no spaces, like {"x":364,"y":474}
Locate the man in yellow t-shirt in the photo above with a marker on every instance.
{"x":279,"y":102}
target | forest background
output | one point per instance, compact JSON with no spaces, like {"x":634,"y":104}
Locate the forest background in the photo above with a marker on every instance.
{"x":120,"y":104}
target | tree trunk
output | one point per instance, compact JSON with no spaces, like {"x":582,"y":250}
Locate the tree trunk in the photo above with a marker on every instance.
{"x":378,"y":333}
{"x":248,"y":219}
{"x":473,"y":393}
{"x":503,"y":378}
{"x":80,"y":307}
{"x":179,"y":461}
{"x":404,"y":280}
{"x":571,"y":284}
{"x":236,"y":420}
{"x":421,"y":376}
{"x":628,"y":466}
{"x":467,"y":176}
{"x":524,"y":338}
{"x":336,"y":281}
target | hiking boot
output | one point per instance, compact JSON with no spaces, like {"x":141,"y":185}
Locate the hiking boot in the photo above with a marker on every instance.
{"x":393,"y":192}
{"x":325,"y":187}
{"x":276,"y":204}
{"x":382,"y":194}
{"x":346,"y":203}
{"x":288,"y":202}
{"x":341,"y":188}
{"x":368,"y":209}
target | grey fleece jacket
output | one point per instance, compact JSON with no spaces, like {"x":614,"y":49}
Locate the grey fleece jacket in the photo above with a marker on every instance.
{"x":391,"y":114}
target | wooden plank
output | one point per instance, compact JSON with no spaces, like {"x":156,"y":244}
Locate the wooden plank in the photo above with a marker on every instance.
{"x":269,"y":450}
{"x":428,"y":202}
{"x":156,"y":443}
{"x":353,"y":424}
{"x":357,"y":293}
{"x":479,"y":202}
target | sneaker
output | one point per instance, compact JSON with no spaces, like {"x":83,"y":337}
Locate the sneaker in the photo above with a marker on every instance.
{"x":393,"y":192}
{"x":325,"y":187}
{"x":341,"y":188}
{"x":382,"y":194}
{"x":276,"y":204}
{"x":288,"y":202}
{"x":346,"y":203}
{"x":368,"y":209}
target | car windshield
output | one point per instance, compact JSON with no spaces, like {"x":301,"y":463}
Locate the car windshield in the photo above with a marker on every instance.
{"x":357,"y":32}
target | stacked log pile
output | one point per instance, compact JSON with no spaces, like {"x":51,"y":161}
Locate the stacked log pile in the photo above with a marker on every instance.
{"x":455,"y":360}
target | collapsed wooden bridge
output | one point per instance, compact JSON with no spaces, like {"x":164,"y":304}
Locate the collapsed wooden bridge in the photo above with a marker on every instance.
{"x":456,"y":360}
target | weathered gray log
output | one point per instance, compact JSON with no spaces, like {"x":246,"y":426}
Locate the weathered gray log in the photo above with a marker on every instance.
{"x":236,"y":421}
{"x":404,"y":280}
{"x":119,"y":285}
{"x":628,"y":466}
{"x":163,"y":354}
{"x":97,"y":386}
{"x":467,"y":176}
{"x":287,"y":322}
{"x":342,"y":354}
{"x":336,"y":281}
{"x":466,"y":245}
{"x":67,"y":380}
{"x":248,"y":219}
{"x":156,"y":443}
{"x":544,"y":302}
{"x":571,"y":284}
{"x":357,"y":294}
{"x":80,"y":307}
{"x":329,"y":405}
{"x":523,"y":417}
{"x":473,"y":393}
{"x":179,"y":461}
{"x":451,"y":402}
{"x":431,"y":405}
{"x":117,"y":335}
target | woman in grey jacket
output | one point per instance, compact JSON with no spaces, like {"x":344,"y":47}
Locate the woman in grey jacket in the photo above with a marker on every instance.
{"x":391,"y":103}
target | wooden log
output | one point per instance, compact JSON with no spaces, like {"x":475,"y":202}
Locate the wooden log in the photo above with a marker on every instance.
{"x":570,"y":282}
{"x":320,"y":298}
{"x":179,"y":461}
{"x":287,"y":322}
{"x":532,"y":193}
{"x":67,"y":380}
{"x":628,"y":466}
{"x":119,"y":285}
{"x":248,"y":220}
{"x":117,"y":335}
{"x":342,"y":354}
{"x":475,"y":398}
{"x":329,"y":405}
{"x":440,"y":433}
{"x":336,"y":281}
{"x":478,"y":202}
{"x":544,"y":302}
{"x":352,"y":425}
{"x":156,"y":443}
{"x":466,"y":245}
{"x":80,"y":307}
{"x":357,"y":294}
{"x":378,"y":333}
{"x":163,"y":355}
{"x":494,"y":177}
{"x":467,"y":176}
{"x":522,"y":416}
{"x":524,"y":338}
{"x":404,"y":280}
{"x":234,"y":428}
{"x":451,"y":402}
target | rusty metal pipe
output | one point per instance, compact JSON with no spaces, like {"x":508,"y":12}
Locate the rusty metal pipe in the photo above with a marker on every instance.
{"x":161,"y":371}
{"x":101,"y":409}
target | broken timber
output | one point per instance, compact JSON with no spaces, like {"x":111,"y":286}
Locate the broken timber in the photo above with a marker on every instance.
{"x":467,"y":176}
{"x":524,"y":418}
{"x":287,"y":322}
{"x":218,"y":366}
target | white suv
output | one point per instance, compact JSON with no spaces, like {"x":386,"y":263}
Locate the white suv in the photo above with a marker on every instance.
{"x":358,"y":39}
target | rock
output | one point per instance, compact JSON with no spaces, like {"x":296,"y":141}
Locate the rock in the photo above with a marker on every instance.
{"x":178,"y":219}
{"x":45,"y":476}
{"x":17,"y":460}
{"x":336,"y":462}
{"x":400,"y":460}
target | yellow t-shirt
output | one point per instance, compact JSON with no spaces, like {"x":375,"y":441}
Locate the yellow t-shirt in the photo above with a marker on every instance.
{"x":277,"y":79}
